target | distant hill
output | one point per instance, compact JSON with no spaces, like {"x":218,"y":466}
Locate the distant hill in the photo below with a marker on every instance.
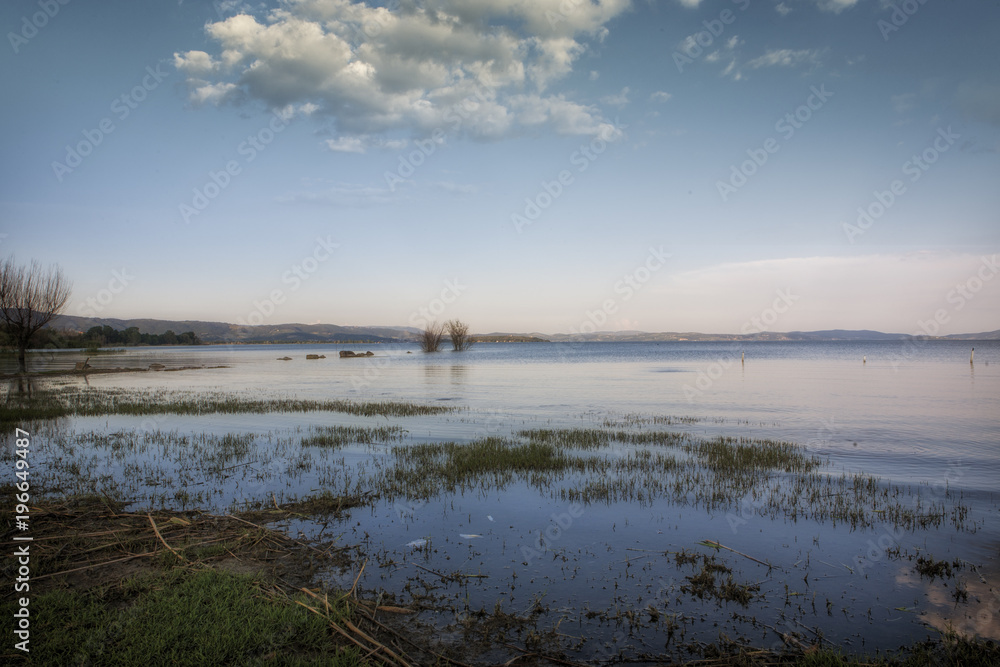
{"x":828,"y":335}
{"x":500,"y":337}
{"x":988,"y":335}
{"x":223,"y":332}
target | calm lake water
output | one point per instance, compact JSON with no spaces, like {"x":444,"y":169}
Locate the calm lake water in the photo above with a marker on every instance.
{"x":916,"y":414}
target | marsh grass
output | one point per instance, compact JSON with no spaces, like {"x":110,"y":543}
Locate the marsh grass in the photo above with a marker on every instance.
{"x":427,"y":469}
{"x":338,"y":436}
{"x":772,"y":477}
{"x":92,"y":402}
{"x":930,"y":567}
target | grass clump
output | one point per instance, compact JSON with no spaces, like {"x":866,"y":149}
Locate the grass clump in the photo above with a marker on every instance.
{"x":427,"y":469}
{"x":708,"y":583}
{"x":338,"y":436}
{"x":931,"y":567}
{"x":743,"y":455}
{"x":324,"y":503}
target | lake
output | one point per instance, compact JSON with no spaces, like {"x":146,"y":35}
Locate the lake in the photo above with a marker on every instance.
{"x":617,"y":575}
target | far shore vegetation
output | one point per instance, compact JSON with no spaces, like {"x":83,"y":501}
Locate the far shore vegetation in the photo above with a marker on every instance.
{"x":104,"y":336}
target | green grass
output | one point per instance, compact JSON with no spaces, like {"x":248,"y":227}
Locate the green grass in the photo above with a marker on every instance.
{"x":591,"y":465}
{"x":425,"y":470}
{"x":338,"y":436}
{"x":182,"y":617}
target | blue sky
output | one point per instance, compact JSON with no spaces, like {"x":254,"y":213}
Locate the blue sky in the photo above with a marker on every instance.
{"x":523,"y":165}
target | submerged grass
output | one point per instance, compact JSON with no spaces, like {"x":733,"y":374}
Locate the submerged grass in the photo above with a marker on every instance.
{"x":338,"y":436}
{"x":92,"y":402}
{"x":767,"y":477}
{"x":426,"y":469}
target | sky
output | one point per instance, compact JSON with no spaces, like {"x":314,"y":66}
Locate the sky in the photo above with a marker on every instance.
{"x":719,"y":166}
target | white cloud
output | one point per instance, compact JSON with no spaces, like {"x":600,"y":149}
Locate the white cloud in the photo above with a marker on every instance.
{"x":436,"y":64}
{"x":619,"y":100}
{"x":195,"y":63}
{"x":783,"y":9}
{"x":727,"y":53}
{"x":456,"y":188}
{"x":362,"y":143}
{"x":660,"y":96}
{"x":346,"y":145}
{"x":835,"y":6}
{"x":212,"y":93}
{"x":784,"y":58}
{"x":564,"y":116}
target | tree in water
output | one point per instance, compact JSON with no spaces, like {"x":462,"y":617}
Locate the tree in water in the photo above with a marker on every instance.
{"x":30,"y":296}
{"x":458,"y":331}
{"x":430,"y":339}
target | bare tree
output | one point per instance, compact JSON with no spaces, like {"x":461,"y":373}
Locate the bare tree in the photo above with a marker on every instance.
{"x":30,"y":296}
{"x":430,"y":339}
{"x":458,"y":331}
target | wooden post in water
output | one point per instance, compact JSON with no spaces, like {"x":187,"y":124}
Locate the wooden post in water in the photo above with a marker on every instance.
{"x":972,"y":354}
{"x":743,"y":358}
{"x":864,"y":359}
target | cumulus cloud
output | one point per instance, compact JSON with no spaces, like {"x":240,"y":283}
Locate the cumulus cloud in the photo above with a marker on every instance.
{"x":660,"y":96}
{"x":464,"y":67}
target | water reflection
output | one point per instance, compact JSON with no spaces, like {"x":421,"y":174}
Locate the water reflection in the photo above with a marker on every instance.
{"x":455,"y":374}
{"x":20,"y":390}
{"x":968,"y":603}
